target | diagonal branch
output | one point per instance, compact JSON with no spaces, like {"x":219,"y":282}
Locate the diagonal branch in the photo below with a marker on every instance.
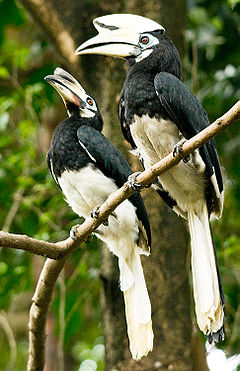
{"x":48,"y":17}
{"x":52,"y":269}
{"x":60,"y":249}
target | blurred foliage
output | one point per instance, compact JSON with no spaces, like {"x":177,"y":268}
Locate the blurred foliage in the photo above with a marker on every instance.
{"x":32,"y":204}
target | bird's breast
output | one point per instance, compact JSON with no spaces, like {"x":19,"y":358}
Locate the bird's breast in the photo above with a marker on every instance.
{"x":155,"y":138}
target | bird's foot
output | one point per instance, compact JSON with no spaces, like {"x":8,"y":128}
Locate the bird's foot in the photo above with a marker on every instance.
{"x":131,"y":182}
{"x":95,"y":212}
{"x":178,"y":151}
{"x":216,"y":337}
{"x":73,"y":232}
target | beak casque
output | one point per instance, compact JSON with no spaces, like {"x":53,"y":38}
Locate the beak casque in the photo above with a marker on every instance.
{"x":67,"y":86}
{"x":118,"y":35}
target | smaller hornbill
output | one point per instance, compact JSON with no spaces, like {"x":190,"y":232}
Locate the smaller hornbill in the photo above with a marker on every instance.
{"x":157,"y":113}
{"x":88,"y":168}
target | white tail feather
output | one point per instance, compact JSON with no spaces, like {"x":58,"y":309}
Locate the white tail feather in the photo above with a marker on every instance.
{"x":208,"y":305}
{"x":137,"y":306}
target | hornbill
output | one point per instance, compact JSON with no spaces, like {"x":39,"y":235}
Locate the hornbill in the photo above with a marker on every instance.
{"x":88,"y":168}
{"x":157,"y":113}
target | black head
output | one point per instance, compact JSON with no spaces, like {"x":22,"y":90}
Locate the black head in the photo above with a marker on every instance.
{"x":157,"y":54}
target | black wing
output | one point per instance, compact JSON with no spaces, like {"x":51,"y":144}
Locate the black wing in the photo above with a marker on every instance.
{"x":183,"y":108}
{"x":125,"y":128}
{"x":110,"y":161}
{"x":51,"y":168}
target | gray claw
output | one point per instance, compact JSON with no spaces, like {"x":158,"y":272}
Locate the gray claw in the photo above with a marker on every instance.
{"x":178,"y":151}
{"x":132,"y":182}
{"x":73,"y":232}
{"x":95,"y":212}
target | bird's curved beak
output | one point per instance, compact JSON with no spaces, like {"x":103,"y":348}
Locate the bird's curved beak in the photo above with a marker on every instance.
{"x":118,"y":35}
{"x":116,"y":44}
{"x":68,"y":87}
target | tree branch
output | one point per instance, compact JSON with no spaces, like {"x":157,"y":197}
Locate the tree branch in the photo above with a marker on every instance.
{"x":60,"y":249}
{"x":52,"y":269}
{"x":48,"y":17}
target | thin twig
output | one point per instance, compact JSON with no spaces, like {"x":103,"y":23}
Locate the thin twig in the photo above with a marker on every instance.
{"x":17,"y":199}
{"x":11,"y":340}
{"x":61,"y":281}
{"x":38,"y":313}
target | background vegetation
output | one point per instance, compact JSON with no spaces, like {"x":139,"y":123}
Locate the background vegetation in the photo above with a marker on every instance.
{"x":32,"y":204}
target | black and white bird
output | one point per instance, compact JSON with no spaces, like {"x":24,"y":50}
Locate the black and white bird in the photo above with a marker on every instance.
{"x":88,"y":168}
{"x":157,"y":113}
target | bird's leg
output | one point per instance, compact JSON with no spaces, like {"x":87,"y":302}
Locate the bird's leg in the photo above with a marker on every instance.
{"x":178,"y":151}
{"x":73,"y":232}
{"x":95,"y":212}
{"x":134,"y":185}
{"x":131,"y":182}
{"x":216,"y":336}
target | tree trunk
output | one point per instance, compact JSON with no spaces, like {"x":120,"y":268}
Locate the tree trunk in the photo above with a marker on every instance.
{"x":166,"y":270}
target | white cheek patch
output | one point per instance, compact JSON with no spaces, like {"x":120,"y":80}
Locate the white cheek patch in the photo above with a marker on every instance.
{"x":86,"y":113}
{"x":143,"y":55}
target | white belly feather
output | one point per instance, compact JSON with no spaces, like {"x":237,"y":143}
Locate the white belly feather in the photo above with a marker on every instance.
{"x":157,"y":138}
{"x":88,"y":188}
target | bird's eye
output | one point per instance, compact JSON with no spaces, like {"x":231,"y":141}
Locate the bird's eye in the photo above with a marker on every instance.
{"x":90,"y":101}
{"x":144,"y":40}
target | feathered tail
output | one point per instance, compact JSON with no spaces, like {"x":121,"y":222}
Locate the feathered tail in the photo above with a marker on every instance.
{"x":137,"y":305}
{"x":207,"y":289}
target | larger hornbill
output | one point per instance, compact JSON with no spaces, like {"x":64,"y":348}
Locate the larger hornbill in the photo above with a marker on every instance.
{"x":88,"y":168}
{"x":158,"y":112}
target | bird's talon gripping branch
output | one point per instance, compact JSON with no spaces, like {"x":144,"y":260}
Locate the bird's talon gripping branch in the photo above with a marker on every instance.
{"x":95,"y":212}
{"x":178,"y":151}
{"x":216,"y":337}
{"x":73,"y":232}
{"x":132,"y":182}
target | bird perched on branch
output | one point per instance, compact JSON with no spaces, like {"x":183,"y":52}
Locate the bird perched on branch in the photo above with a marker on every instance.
{"x":157,"y":113}
{"x":88,"y":168}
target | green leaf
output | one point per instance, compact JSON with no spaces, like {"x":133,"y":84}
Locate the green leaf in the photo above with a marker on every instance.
{"x":3,"y":268}
{"x":4,"y":74}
